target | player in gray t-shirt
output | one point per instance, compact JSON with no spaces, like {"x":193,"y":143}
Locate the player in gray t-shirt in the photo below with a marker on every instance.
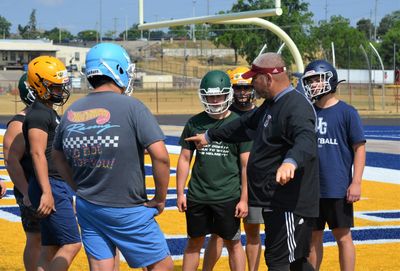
{"x":99,"y":148}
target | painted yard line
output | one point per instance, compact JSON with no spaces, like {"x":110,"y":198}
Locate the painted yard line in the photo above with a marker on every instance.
{"x":173,"y":149}
{"x":328,"y":244}
{"x":379,"y":216}
{"x":360,"y":236}
{"x":9,"y":216}
{"x":382,"y":175}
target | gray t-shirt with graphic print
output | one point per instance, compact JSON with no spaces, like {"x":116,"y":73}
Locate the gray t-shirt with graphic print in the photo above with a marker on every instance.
{"x":103,"y":137}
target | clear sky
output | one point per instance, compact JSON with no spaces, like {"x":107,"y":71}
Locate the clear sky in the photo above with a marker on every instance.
{"x":77,"y":15}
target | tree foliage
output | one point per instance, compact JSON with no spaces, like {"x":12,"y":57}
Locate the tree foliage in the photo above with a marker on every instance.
{"x":347,"y":41}
{"x":366,"y":26}
{"x":179,"y":32}
{"x":390,"y":45}
{"x":231,"y":36}
{"x":4,"y":27}
{"x":248,"y":40}
{"x":88,"y":35}
{"x":58,"y":35}
{"x":134,"y":33}
{"x":388,"y":22}
{"x":29,"y":31}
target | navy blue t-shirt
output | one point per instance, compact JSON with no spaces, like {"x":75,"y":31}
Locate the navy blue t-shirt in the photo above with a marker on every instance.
{"x":339,"y":129}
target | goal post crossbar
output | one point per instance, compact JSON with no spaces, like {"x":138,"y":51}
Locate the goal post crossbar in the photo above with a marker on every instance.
{"x":245,"y":17}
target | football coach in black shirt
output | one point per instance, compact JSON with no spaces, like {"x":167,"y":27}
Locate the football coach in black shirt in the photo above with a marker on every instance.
{"x":283,"y":166}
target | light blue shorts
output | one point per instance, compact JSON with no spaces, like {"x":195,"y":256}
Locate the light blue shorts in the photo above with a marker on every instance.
{"x":133,"y":230}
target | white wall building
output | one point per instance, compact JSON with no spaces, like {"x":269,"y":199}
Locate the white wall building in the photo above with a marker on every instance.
{"x":15,"y":54}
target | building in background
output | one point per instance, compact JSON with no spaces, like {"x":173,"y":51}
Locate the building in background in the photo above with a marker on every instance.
{"x":16,"y":54}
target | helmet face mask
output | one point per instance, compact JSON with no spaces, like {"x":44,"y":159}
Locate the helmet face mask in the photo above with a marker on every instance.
{"x":48,"y":80}
{"x":215,"y":83}
{"x":58,"y":93}
{"x":243,"y":95}
{"x":317,"y":84}
{"x":131,"y":74}
{"x":113,"y":61}
{"x":319,"y":79}
{"x":243,"y":92}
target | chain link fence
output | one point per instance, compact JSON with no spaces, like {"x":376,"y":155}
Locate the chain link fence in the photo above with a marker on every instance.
{"x":180,"y":97}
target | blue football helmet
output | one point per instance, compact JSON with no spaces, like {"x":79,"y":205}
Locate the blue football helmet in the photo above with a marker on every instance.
{"x":113,"y":61}
{"x":319,"y":78}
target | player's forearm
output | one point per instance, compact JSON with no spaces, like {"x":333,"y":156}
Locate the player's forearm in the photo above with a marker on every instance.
{"x":161,"y":178}
{"x":182,"y":173}
{"x":244,"y":190}
{"x":63,"y":168}
{"x":41,"y":171}
{"x":17,"y":176}
{"x":359,"y":163}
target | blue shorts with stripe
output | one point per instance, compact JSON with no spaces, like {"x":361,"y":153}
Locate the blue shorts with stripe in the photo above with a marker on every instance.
{"x":133,"y":230}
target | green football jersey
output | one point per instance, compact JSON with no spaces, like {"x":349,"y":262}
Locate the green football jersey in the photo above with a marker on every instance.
{"x":216,"y":171}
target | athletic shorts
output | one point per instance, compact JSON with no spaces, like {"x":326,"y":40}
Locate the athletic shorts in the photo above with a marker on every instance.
{"x":217,"y":218}
{"x":29,"y":218}
{"x":132,"y":229}
{"x":60,"y":227}
{"x":287,"y":238}
{"x":338,"y":213}
{"x":254,"y":216}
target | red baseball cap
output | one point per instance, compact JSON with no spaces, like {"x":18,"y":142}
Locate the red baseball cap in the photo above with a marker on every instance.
{"x":260,"y":70}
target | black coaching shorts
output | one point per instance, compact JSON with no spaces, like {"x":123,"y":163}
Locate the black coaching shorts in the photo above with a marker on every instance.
{"x":338,"y":213}
{"x":287,"y":238}
{"x":218,"y":218}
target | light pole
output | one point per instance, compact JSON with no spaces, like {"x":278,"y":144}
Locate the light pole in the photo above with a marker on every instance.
{"x":375,"y":26}
{"x":101,"y":21}
{"x":394,"y":57}
{"x":193,"y":25}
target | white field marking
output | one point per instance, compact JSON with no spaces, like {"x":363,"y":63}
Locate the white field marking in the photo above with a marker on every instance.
{"x":366,"y":242}
{"x":171,"y":208}
{"x":169,"y":196}
{"x":150,"y":165}
{"x":370,"y":217}
{"x":5,"y":178}
{"x":9,"y":216}
{"x":328,"y":244}
{"x":173,"y":149}
{"x":382,"y":175}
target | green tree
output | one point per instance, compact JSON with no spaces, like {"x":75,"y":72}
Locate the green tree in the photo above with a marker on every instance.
{"x":109,"y":35}
{"x":157,"y":34}
{"x":4,"y":27}
{"x":387,"y":22}
{"x":29,"y":31}
{"x":179,"y":32}
{"x":347,"y":41}
{"x":295,"y":21}
{"x":391,"y":41}
{"x":365,"y":26}
{"x":134,"y":33}
{"x":88,"y":35}
{"x":201,"y":31}
{"x":230,"y":36}
{"x":58,"y":35}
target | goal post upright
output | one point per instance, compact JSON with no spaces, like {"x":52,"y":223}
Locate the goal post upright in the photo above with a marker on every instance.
{"x":245,"y":17}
